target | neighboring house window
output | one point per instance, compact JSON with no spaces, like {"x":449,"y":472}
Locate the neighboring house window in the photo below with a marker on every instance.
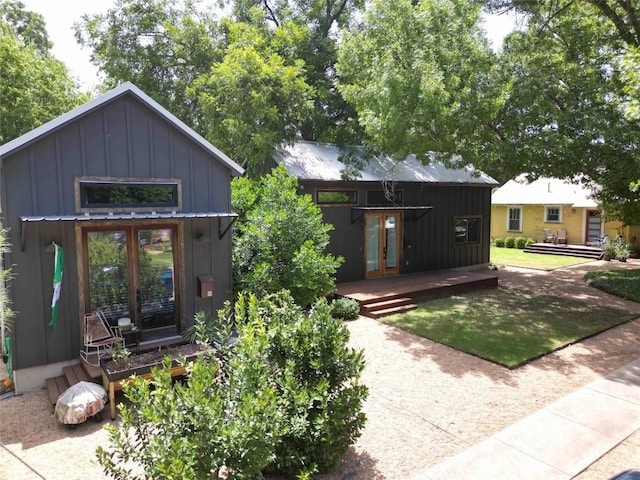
{"x":467,"y":230}
{"x":337,"y":197}
{"x":552,"y":214}
{"x":514,"y":219}
{"x":113,"y":194}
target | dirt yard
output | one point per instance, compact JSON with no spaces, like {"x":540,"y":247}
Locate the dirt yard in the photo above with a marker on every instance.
{"x":427,"y":401}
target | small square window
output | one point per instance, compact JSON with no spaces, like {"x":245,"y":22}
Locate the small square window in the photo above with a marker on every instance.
{"x":467,"y":230}
{"x":552,"y":214}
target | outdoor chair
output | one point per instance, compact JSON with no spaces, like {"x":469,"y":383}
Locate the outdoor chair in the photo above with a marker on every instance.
{"x":599,"y":241}
{"x":549,"y":237}
{"x":99,"y":338}
{"x":561,"y":236}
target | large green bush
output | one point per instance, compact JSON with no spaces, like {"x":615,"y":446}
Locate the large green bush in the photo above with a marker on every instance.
{"x":280,"y":239}
{"x":319,"y":390}
{"x":521,"y":242}
{"x":287,"y":399}
{"x":499,"y":242}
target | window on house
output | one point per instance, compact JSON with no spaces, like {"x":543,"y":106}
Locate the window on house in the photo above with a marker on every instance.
{"x":336,"y":197}
{"x":552,"y":214}
{"x":127,"y":195}
{"x":514,"y":219}
{"x":467,"y":230}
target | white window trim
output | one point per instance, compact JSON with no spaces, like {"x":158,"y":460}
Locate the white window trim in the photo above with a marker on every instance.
{"x":513,"y":207}
{"x":546,"y":213}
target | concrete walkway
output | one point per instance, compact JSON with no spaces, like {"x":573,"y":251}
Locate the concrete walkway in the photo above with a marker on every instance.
{"x":559,"y":441}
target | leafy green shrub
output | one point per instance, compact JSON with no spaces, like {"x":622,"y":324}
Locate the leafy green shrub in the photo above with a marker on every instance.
{"x":345,"y":308}
{"x":529,"y":241}
{"x":287,"y":399}
{"x":206,"y":424}
{"x":499,"y":242}
{"x":318,"y":386}
{"x":521,"y":242}
{"x":510,"y":242}
{"x":279,"y":239}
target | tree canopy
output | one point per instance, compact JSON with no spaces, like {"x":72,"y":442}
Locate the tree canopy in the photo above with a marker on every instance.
{"x":35,"y":87}
{"x":561,"y":98}
{"x":557,"y":100}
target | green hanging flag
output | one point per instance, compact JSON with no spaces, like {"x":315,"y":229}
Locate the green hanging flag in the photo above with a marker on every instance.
{"x":8,"y":361}
{"x":57,"y":283}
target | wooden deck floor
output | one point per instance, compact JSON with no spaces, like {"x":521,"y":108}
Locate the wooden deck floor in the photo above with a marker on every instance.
{"x":385,"y":295}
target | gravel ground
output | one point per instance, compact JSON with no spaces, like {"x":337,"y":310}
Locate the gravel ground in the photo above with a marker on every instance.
{"x":427,"y":401}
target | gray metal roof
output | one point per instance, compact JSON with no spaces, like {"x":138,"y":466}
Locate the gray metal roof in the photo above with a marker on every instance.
{"x":321,"y":161}
{"x":124,"y":89}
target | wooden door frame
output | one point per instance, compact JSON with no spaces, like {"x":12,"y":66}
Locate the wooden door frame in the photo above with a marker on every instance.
{"x":587,"y":239}
{"x":382,"y":243}
{"x":133,"y":263}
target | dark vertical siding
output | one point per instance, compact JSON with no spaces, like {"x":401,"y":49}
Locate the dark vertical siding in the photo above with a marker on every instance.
{"x":428,"y":242}
{"x":121,"y":139}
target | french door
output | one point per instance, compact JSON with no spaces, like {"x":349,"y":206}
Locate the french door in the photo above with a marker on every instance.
{"x":594,"y":225}
{"x":130,"y":272}
{"x":382,"y":243}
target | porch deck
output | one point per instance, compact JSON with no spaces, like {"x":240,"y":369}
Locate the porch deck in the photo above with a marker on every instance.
{"x":563,"y":249}
{"x":388,"y":295}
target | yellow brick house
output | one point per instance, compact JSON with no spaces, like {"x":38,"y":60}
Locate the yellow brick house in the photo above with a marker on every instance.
{"x":522,"y":209}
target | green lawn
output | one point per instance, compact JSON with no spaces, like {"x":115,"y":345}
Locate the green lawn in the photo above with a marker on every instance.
{"x":516,"y":257}
{"x":507,"y":327}
{"x":622,"y":283}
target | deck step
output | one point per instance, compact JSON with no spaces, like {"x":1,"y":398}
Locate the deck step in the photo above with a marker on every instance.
{"x":55,"y":387}
{"x":74,"y":374}
{"x":383,"y":303}
{"x":391,"y":310}
{"x":550,"y":249}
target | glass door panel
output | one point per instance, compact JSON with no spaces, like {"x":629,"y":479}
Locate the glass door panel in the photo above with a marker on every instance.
{"x":372,"y":225}
{"x":155,"y":294}
{"x":391,"y":242}
{"x":382,"y":231}
{"x":108,"y":273}
{"x":594,"y":227}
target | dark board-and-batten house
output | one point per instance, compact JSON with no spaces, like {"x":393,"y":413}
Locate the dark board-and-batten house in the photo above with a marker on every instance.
{"x":394,"y":217}
{"x":140,"y":205}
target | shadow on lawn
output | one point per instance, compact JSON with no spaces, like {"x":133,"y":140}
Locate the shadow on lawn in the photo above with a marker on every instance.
{"x":601,"y":352}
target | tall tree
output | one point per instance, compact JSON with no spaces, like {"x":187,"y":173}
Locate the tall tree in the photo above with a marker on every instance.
{"x":418,"y":74}
{"x":34,"y":86}
{"x":252,"y":100}
{"x":28,"y":26}
{"x":322,"y":21}
{"x":565,"y":111}
{"x":553,"y":103}
{"x":160,"y":45}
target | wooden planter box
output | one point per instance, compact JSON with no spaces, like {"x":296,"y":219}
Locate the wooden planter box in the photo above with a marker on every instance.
{"x":141,"y":364}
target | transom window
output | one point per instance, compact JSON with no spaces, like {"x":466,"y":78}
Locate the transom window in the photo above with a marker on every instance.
{"x":337,"y":197}
{"x":467,"y":230}
{"x":127,"y":195}
{"x":514,"y":219}
{"x":552,"y":214}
